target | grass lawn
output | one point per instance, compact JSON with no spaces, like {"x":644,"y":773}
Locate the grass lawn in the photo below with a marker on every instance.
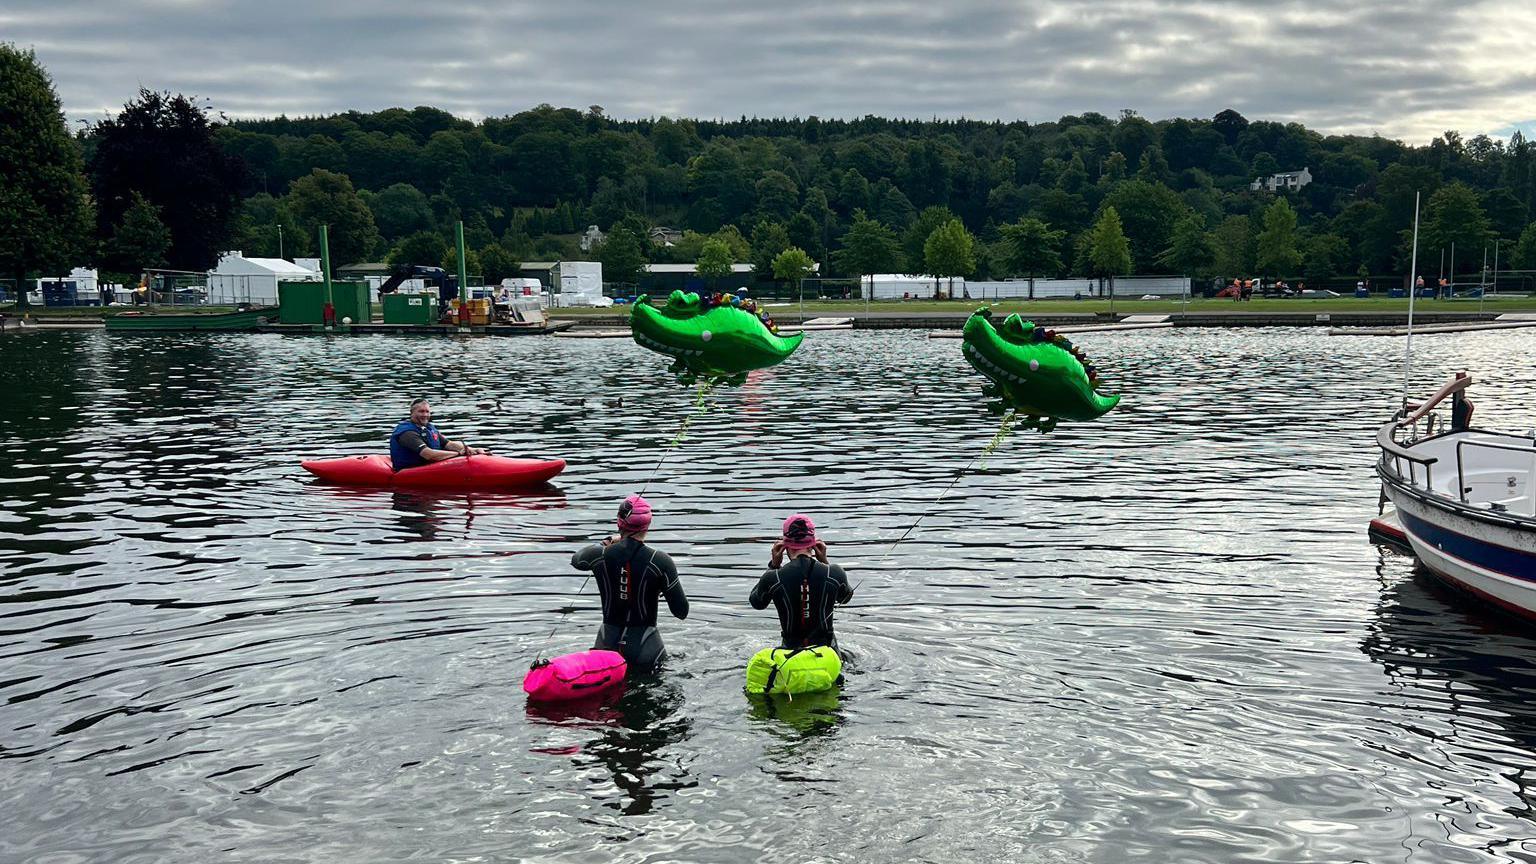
{"x":1122,"y":307}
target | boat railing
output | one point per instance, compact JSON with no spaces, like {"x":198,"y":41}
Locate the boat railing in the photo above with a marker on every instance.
{"x":1461,"y":482}
{"x":1409,"y":420}
{"x":1398,"y":454}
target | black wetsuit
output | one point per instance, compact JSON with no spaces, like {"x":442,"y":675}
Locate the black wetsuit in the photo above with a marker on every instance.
{"x":804,"y":591}
{"x":631,"y":576}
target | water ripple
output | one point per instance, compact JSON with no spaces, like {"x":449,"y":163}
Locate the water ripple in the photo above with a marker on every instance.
{"x":1159,"y":636}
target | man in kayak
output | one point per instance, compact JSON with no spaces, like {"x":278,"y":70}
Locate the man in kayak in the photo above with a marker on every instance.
{"x":805,"y":589}
{"x":415,"y":442}
{"x":631,"y":576}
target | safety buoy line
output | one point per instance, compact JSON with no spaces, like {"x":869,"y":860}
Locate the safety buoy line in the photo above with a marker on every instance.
{"x":700,"y":408}
{"x":997,"y":439}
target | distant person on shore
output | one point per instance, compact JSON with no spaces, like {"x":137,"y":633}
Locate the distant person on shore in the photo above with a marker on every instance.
{"x":804,"y":590}
{"x":416,"y":442}
{"x":631,"y":577}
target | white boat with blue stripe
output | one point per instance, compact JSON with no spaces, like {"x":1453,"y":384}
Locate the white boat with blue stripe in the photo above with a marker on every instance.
{"x":1464,"y":498}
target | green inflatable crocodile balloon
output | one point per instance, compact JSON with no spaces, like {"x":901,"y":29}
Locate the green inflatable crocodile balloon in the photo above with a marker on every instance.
{"x":720,"y":337}
{"x":1034,"y":372}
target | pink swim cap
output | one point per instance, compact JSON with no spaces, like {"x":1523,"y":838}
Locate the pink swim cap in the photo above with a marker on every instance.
{"x":634,"y":514}
{"x":799,"y":532}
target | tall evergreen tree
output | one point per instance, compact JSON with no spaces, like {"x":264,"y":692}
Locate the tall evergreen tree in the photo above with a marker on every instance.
{"x":1109,"y":252}
{"x":1189,"y":252}
{"x":1276,"y":253}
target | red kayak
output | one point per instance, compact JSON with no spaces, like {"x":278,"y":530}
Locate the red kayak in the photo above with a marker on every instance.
{"x":460,"y":472}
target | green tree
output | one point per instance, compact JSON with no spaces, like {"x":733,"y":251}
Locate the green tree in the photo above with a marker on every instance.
{"x":472,"y":265}
{"x":1276,"y":253}
{"x":777,"y":196}
{"x":1031,"y":248}
{"x":1147,"y":212}
{"x":1454,"y":216}
{"x":498,"y":263}
{"x":868,"y":248}
{"x":256,"y":230}
{"x":400,"y":210}
{"x":730,"y":235}
{"x":792,"y":265}
{"x":714,"y":260}
{"x":140,"y":241}
{"x":45,"y":216}
{"x":1232,"y":243}
{"x":1189,"y":250}
{"x":768,"y":240}
{"x":950,"y":252}
{"x":1154,"y":168}
{"x":1524,"y":256}
{"x":327,"y":198}
{"x":164,"y":147}
{"x":1325,"y":255}
{"x":622,"y":256}
{"x":915,"y":238}
{"x":424,"y":248}
{"x":1109,"y":251}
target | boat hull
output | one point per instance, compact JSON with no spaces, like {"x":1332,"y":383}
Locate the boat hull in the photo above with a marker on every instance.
{"x":248,"y":319}
{"x":475,"y":472}
{"x":1491,"y":557}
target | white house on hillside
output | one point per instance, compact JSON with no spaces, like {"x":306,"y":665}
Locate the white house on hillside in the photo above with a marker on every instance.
{"x":1285,"y":181}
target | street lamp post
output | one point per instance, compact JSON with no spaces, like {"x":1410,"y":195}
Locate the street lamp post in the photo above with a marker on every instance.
{"x":279,"y":241}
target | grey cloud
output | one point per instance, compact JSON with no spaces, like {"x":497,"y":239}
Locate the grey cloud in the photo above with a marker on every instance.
{"x":1333,"y":65}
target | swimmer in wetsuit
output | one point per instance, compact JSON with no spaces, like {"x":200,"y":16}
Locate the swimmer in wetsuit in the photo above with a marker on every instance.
{"x":631,"y":576}
{"x":804,"y":590}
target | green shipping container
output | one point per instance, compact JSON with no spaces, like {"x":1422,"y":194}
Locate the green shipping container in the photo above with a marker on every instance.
{"x":304,"y":302}
{"x":301,"y":302}
{"x":351,"y":301}
{"x":410,"y":309}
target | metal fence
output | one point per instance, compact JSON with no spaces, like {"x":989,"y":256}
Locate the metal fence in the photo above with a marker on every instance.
{"x":159,"y":289}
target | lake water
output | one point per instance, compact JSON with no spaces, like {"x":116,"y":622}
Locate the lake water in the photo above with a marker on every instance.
{"x":1162,"y":636}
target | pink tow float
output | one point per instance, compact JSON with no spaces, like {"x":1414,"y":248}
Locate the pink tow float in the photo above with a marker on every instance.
{"x":574,"y":676}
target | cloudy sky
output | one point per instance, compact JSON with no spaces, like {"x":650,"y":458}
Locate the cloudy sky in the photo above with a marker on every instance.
{"x":1407,"y":69}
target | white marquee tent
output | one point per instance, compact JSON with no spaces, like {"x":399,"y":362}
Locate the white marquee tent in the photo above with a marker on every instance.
{"x":239,"y":279}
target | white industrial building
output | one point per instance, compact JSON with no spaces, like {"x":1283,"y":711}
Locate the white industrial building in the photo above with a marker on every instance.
{"x":239,"y":279}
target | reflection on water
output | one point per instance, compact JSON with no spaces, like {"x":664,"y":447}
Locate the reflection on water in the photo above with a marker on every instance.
{"x":1162,"y":636}
{"x":632,"y":726}
{"x":807,"y":714}
{"x":1470,"y":673}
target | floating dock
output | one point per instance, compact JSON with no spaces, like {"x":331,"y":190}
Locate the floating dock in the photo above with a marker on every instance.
{"x":1507,"y":321}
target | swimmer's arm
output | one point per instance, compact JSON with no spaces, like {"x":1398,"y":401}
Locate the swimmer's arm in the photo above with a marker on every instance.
{"x":677,"y":601}
{"x":587,"y":556}
{"x":762,"y":592}
{"x":844,"y":590}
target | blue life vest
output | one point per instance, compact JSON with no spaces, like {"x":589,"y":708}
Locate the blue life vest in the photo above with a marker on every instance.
{"x":403,"y":457}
